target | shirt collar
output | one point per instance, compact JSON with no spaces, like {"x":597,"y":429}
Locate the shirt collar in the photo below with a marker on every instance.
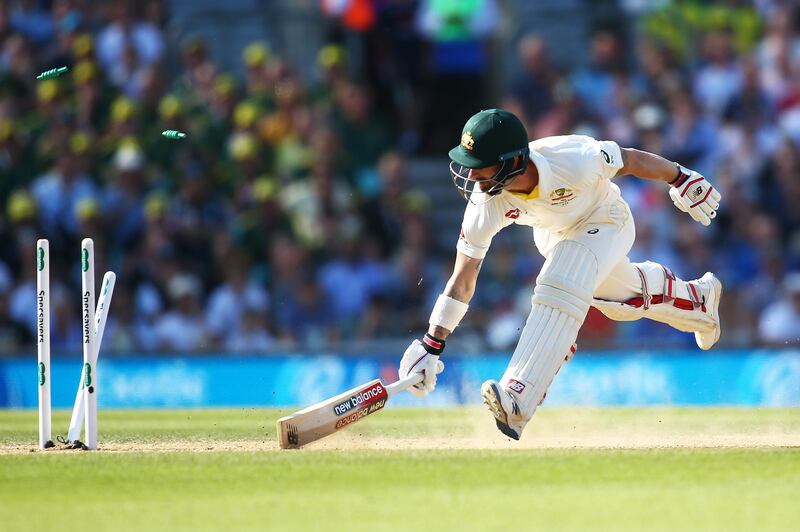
{"x":545,"y":172}
{"x":543,"y":168}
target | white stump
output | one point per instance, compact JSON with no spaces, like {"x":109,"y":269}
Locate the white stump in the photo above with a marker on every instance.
{"x":89,"y":362}
{"x":43,"y":339}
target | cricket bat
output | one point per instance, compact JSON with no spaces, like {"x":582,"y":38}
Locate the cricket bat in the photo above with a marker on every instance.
{"x":329,"y":416}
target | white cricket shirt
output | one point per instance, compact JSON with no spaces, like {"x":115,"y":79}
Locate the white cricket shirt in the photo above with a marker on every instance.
{"x":574,"y":182}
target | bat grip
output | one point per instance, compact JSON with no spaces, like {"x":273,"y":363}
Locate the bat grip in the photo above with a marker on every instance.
{"x":404,"y":384}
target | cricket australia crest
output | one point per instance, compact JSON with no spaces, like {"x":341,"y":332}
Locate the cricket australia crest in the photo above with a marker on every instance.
{"x":467,"y":141}
{"x":561,"y":196}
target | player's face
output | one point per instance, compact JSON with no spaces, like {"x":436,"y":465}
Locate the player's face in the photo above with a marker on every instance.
{"x":489,"y":181}
{"x":483,"y":176}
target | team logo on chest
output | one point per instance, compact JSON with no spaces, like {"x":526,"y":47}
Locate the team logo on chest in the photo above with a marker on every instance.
{"x":513,"y":214}
{"x":561,"y":196}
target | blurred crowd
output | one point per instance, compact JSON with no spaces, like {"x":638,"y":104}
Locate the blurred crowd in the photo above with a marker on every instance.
{"x":286,"y":219}
{"x":715,"y":86}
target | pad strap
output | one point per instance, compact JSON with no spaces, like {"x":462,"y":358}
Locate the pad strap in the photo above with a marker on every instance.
{"x":646,"y":297}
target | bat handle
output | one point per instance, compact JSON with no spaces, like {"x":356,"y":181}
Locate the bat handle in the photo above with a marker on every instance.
{"x":404,"y":384}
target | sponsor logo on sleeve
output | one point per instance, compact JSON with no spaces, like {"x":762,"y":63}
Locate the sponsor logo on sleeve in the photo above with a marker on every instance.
{"x":608,"y":158}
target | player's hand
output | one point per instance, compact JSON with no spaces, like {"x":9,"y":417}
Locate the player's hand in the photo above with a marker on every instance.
{"x":423,"y":358}
{"x":692,"y":193}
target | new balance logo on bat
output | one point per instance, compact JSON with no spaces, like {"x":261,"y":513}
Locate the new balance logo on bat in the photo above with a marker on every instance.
{"x":357,"y":415}
{"x":291,"y":435}
{"x":361,"y":398}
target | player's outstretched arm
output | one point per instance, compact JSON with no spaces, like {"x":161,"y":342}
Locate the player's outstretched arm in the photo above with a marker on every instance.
{"x":422,"y":356}
{"x":460,"y":287}
{"x":690,"y":192}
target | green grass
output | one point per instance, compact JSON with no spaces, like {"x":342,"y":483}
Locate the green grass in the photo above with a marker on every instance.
{"x":389,"y":488}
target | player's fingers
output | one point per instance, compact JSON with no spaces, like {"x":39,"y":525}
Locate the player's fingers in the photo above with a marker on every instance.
{"x":715,"y":195}
{"x":679,"y":206}
{"x":676,"y":199}
{"x":701,"y":217}
{"x":713,"y":204}
{"x":439,"y":366}
{"x":417,"y":393}
{"x":422,"y":387}
{"x":707,"y":209}
{"x":430,"y":383}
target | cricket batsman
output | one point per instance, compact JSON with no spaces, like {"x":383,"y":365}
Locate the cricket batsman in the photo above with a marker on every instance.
{"x":562,"y":187}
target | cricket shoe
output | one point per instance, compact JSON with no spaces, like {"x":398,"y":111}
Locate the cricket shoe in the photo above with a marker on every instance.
{"x":504,"y":409}
{"x":711,"y":288}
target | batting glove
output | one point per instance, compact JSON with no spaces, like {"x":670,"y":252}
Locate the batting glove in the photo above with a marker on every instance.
{"x":692,"y":193}
{"x":423,"y":357}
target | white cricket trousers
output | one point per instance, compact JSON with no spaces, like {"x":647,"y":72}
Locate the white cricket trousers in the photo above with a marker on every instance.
{"x":609,"y":233}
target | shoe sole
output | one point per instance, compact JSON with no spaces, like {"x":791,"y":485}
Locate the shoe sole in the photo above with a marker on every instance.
{"x":717,"y":285}
{"x":491,"y":398}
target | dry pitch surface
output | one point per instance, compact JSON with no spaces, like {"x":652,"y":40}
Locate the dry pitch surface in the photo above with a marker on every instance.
{"x":575,"y":469}
{"x":407,"y":429}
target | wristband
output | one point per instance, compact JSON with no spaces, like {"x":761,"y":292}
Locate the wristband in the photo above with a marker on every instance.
{"x":683,"y":175}
{"x":433,"y":345}
{"x":447,"y":312}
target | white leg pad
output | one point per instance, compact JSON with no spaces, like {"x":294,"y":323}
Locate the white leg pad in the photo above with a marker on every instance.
{"x":664,"y":298}
{"x":561,"y":300}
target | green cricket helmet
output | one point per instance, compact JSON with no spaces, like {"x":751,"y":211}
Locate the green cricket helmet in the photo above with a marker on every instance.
{"x":489,"y":138}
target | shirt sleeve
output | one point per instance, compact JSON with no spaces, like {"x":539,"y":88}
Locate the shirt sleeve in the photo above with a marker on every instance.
{"x":609,"y":158}
{"x":481,"y":223}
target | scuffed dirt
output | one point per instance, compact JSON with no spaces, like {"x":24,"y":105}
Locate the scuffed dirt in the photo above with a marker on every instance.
{"x":553,"y":433}
{"x":193,"y":446}
{"x":574,"y":429}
